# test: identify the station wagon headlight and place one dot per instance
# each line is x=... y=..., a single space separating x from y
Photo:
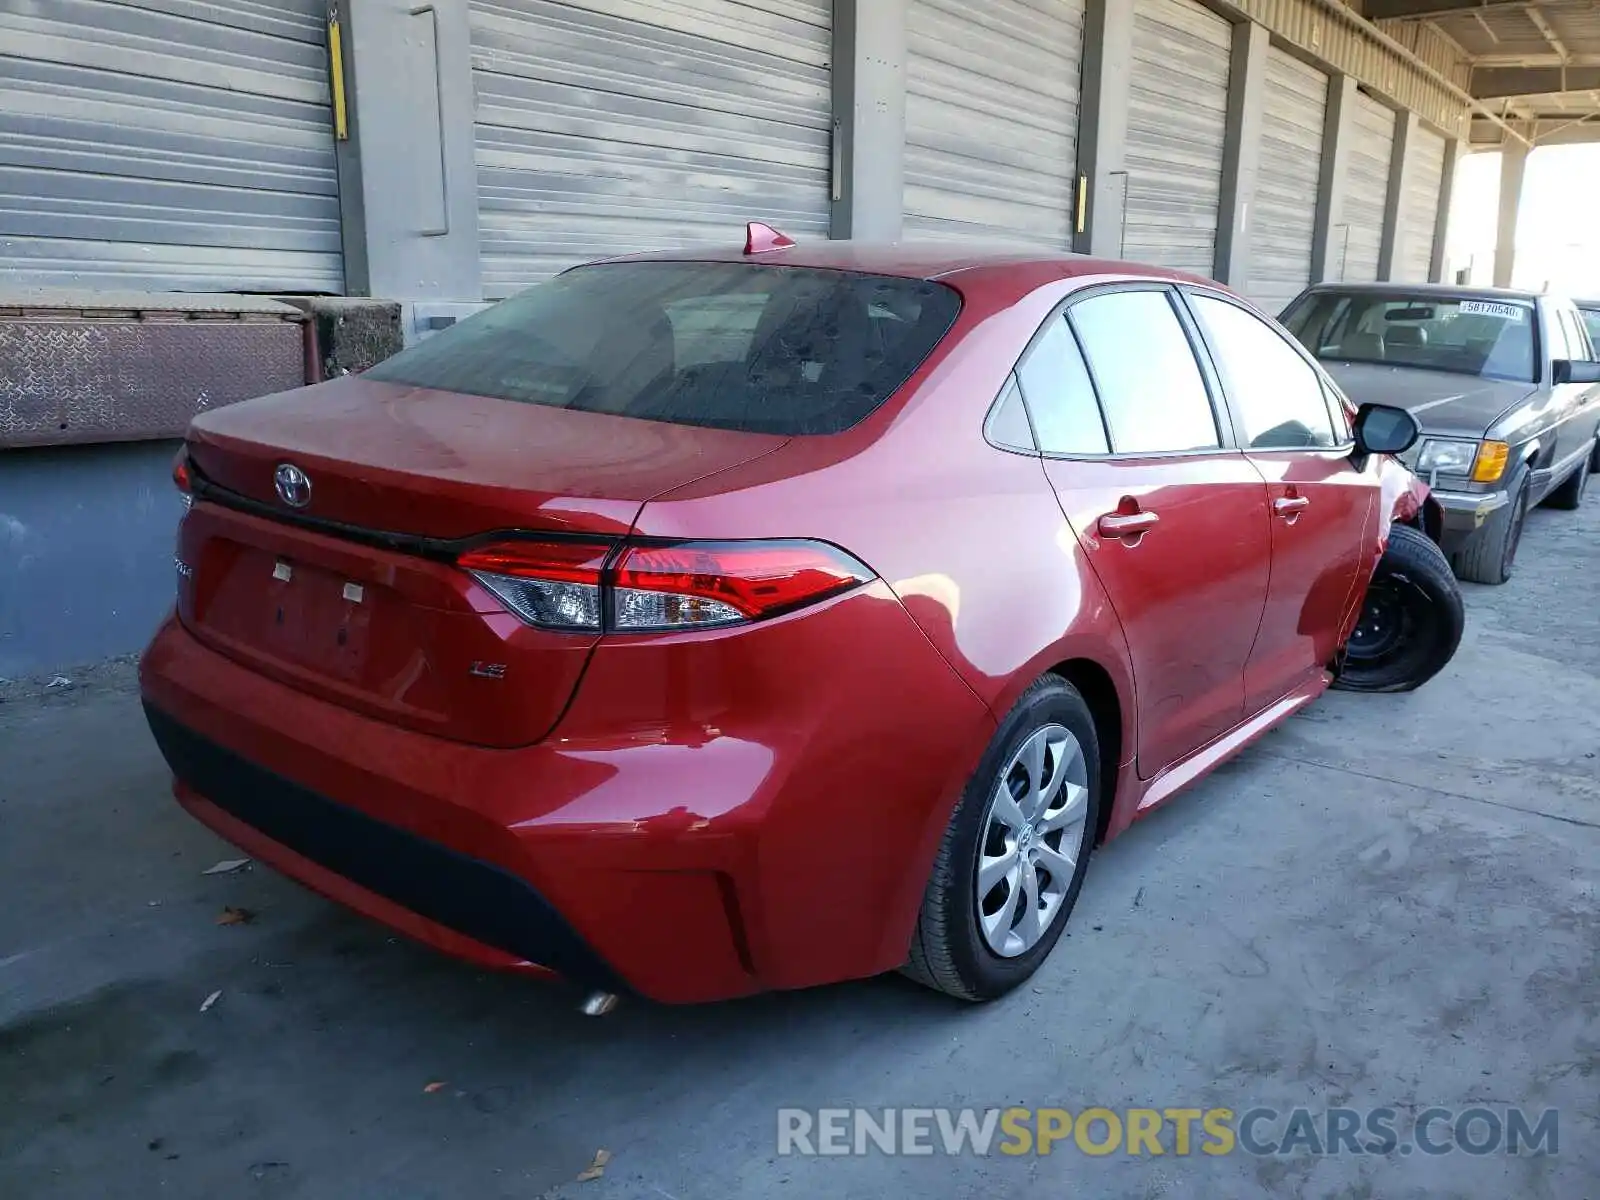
x=1447 y=457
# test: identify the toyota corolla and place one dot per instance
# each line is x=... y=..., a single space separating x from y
x=697 y=624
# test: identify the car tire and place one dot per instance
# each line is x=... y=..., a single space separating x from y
x=974 y=944
x=1490 y=554
x=1594 y=458
x=1569 y=495
x=1411 y=619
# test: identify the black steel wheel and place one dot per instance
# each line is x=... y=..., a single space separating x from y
x=1411 y=619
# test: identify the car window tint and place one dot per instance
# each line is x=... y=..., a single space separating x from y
x=1008 y=421
x=1278 y=396
x=1591 y=319
x=1144 y=368
x=1060 y=396
x=745 y=346
x=1577 y=339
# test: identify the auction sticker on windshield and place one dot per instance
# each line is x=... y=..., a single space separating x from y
x=1491 y=308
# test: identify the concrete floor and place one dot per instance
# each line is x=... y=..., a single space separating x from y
x=1391 y=901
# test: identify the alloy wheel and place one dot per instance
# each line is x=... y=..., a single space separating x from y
x=1032 y=838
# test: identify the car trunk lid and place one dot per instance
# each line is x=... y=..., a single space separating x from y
x=352 y=596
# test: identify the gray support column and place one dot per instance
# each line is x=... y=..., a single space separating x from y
x=1441 y=224
x=1102 y=190
x=1241 y=151
x=869 y=118
x=1405 y=135
x=407 y=177
x=1328 y=241
x=1513 y=165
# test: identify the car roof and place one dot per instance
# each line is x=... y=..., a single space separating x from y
x=996 y=267
x=1450 y=290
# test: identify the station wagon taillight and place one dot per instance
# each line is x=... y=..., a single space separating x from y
x=642 y=587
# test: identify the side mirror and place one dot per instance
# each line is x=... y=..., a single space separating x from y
x=1565 y=370
x=1381 y=429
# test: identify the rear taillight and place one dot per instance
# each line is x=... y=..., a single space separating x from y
x=640 y=587
x=555 y=585
x=695 y=584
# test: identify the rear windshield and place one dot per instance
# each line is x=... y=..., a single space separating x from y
x=1492 y=339
x=767 y=349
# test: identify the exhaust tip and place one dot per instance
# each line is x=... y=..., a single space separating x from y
x=598 y=1004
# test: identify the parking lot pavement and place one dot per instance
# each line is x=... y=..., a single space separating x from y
x=1390 y=902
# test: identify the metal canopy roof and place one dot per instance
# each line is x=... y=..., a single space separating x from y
x=1536 y=62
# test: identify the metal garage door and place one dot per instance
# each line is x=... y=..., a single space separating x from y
x=1419 y=206
x=992 y=119
x=1176 y=124
x=606 y=126
x=1366 y=190
x=1281 y=229
x=173 y=144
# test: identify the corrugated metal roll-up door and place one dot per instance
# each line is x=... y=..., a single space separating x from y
x=1281 y=229
x=170 y=145
x=1419 y=206
x=1366 y=194
x=1177 y=120
x=992 y=119
x=608 y=126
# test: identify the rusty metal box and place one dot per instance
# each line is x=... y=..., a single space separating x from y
x=79 y=367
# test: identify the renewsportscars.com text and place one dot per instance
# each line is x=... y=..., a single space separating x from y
x=1174 y=1131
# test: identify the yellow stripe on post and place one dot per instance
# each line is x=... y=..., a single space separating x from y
x=341 y=123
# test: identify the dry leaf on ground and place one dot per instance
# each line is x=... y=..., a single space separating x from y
x=597 y=1168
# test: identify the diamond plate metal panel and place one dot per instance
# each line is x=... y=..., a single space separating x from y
x=65 y=381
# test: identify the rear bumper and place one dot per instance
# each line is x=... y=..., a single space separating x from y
x=470 y=907
x=688 y=833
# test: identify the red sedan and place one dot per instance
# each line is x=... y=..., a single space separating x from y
x=699 y=624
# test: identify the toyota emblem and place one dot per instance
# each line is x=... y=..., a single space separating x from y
x=294 y=487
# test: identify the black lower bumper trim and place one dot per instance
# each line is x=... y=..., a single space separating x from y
x=482 y=901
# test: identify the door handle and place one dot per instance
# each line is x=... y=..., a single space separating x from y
x=1121 y=524
x=1290 y=506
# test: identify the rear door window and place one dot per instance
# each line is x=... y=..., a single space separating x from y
x=766 y=349
x=1591 y=321
x=1055 y=383
x=1150 y=385
x=1577 y=338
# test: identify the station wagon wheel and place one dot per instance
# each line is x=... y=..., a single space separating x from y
x=1011 y=863
x=1569 y=496
x=1490 y=554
